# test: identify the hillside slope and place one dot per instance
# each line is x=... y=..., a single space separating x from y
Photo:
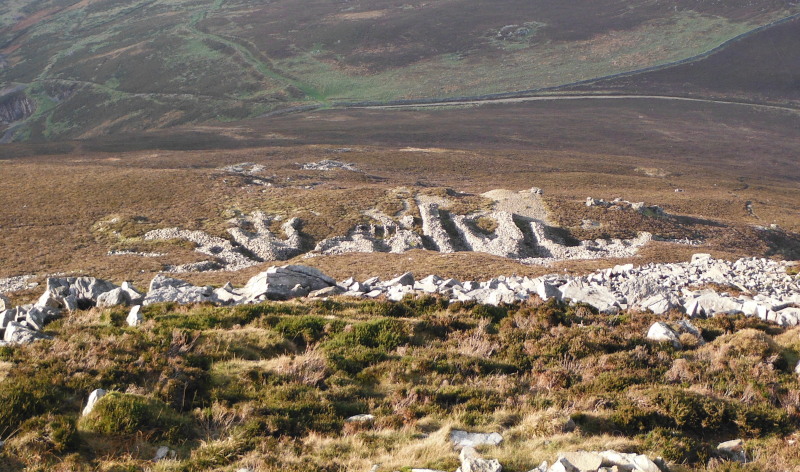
x=764 y=68
x=96 y=67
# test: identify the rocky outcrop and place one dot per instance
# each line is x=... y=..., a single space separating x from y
x=372 y=238
x=507 y=240
x=71 y=293
x=432 y=226
x=328 y=165
x=15 y=105
x=263 y=243
x=229 y=257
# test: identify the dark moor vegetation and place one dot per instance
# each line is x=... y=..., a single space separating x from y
x=270 y=386
x=101 y=67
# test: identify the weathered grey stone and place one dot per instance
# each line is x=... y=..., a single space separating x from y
x=278 y=282
x=115 y=297
x=788 y=316
x=546 y=290
x=405 y=279
x=17 y=333
x=7 y=316
x=628 y=461
x=584 y=461
x=168 y=289
x=71 y=293
x=461 y=438
x=227 y=295
x=711 y=303
x=733 y=450
x=5 y=303
x=660 y=303
x=562 y=465
x=594 y=295
x=93 y=398
x=472 y=462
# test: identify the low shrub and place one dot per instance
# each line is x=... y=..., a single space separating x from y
x=128 y=414
x=46 y=434
x=23 y=397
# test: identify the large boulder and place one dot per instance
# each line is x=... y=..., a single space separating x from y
x=168 y=289
x=595 y=295
x=279 y=283
x=124 y=295
x=18 y=333
x=709 y=303
x=732 y=450
x=134 y=316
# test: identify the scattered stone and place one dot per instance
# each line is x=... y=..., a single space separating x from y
x=733 y=450
x=93 y=398
x=277 y=282
x=365 y=418
x=327 y=292
x=598 y=296
x=230 y=257
x=164 y=452
x=264 y=244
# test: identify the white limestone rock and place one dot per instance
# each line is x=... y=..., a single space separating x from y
x=134 y=316
x=661 y=332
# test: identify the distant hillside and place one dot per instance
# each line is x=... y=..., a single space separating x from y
x=764 y=67
x=95 y=67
